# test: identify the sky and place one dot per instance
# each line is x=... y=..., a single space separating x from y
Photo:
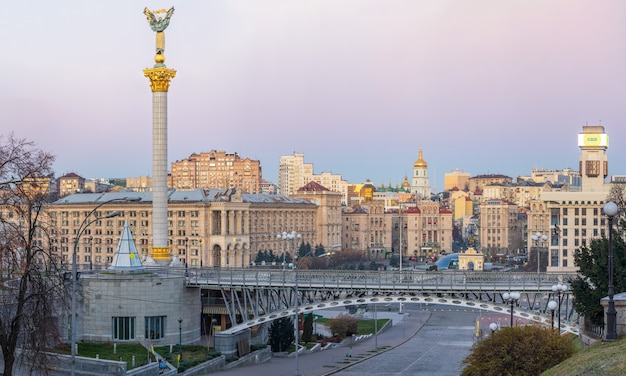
x=357 y=86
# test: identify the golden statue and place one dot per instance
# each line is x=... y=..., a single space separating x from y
x=159 y=25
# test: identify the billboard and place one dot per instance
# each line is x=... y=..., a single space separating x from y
x=593 y=139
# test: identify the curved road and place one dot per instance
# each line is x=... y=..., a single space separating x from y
x=421 y=342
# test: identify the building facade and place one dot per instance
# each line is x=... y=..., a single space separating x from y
x=71 y=183
x=217 y=170
x=293 y=173
x=458 y=179
x=210 y=228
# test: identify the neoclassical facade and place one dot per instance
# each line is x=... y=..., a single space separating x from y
x=212 y=228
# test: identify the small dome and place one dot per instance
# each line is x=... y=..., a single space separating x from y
x=421 y=163
x=405 y=183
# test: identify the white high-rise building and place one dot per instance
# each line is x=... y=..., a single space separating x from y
x=293 y=173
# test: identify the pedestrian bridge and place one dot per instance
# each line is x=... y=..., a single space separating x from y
x=255 y=296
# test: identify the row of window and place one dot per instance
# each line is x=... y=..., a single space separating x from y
x=123 y=328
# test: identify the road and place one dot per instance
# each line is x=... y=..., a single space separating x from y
x=421 y=342
x=437 y=349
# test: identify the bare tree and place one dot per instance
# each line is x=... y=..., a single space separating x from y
x=617 y=194
x=31 y=283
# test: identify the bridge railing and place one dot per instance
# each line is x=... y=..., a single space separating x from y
x=454 y=280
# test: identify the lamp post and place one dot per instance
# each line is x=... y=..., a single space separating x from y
x=560 y=290
x=292 y=235
x=213 y=322
x=610 y=209
x=81 y=229
x=401 y=252
x=297 y=329
x=511 y=298
x=493 y=327
x=537 y=237
x=552 y=305
x=180 y=339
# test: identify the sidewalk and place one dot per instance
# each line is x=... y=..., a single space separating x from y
x=327 y=362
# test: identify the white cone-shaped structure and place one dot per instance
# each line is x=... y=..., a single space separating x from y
x=176 y=263
x=126 y=256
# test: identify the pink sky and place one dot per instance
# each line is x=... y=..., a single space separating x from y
x=358 y=86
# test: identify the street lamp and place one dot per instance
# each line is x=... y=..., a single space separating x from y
x=511 y=298
x=537 y=237
x=213 y=322
x=292 y=235
x=560 y=290
x=180 y=339
x=552 y=305
x=493 y=327
x=81 y=229
x=610 y=209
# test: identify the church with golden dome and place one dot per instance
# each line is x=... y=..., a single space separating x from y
x=420 y=184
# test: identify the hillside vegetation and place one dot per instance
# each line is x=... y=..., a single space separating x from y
x=600 y=359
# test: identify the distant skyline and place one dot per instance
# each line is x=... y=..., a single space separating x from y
x=357 y=86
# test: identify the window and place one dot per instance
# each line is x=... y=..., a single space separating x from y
x=155 y=327
x=123 y=328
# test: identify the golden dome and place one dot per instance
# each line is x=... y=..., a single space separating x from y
x=405 y=183
x=420 y=162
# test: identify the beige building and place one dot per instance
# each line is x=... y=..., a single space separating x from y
x=215 y=228
x=364 y=229
x=501 y=227
x=458 y=179
x=462 y=204
x=328 y=217
x=293 y=173
x=139 y=184
x=570 y=220
x=479 y=182
x=333 y=182
x=217 y=170
x=426 y=229
x=71 y=183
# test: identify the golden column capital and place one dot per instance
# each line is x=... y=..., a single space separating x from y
x=159 y=78
x=161 y=254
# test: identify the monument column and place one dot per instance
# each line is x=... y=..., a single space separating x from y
x=159 y=77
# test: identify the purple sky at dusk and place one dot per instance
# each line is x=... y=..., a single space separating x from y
x=358 y=86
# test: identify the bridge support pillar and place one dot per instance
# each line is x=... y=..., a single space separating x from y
x=620 y=307
x=230 y=344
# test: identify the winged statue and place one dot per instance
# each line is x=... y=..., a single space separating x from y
x=158 y=24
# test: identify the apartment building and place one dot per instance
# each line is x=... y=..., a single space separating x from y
x=426 y=229
x=293 y=173
x=328 y=217
x=457 y=178
x=501 y=227
x=216 y=170
x=71 y=183
x=479 y=182
x=364 y=229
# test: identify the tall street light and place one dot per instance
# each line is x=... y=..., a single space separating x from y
x=292 y=235
x=83 y=226
x=537 y=237
x=180 y=339
x=560 y=290
x=610 y=209
x=552 y=305
x=511 y=298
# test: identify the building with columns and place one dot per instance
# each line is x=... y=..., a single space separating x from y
x=212 y=228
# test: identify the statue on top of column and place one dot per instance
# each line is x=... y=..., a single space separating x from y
x=159 y=24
